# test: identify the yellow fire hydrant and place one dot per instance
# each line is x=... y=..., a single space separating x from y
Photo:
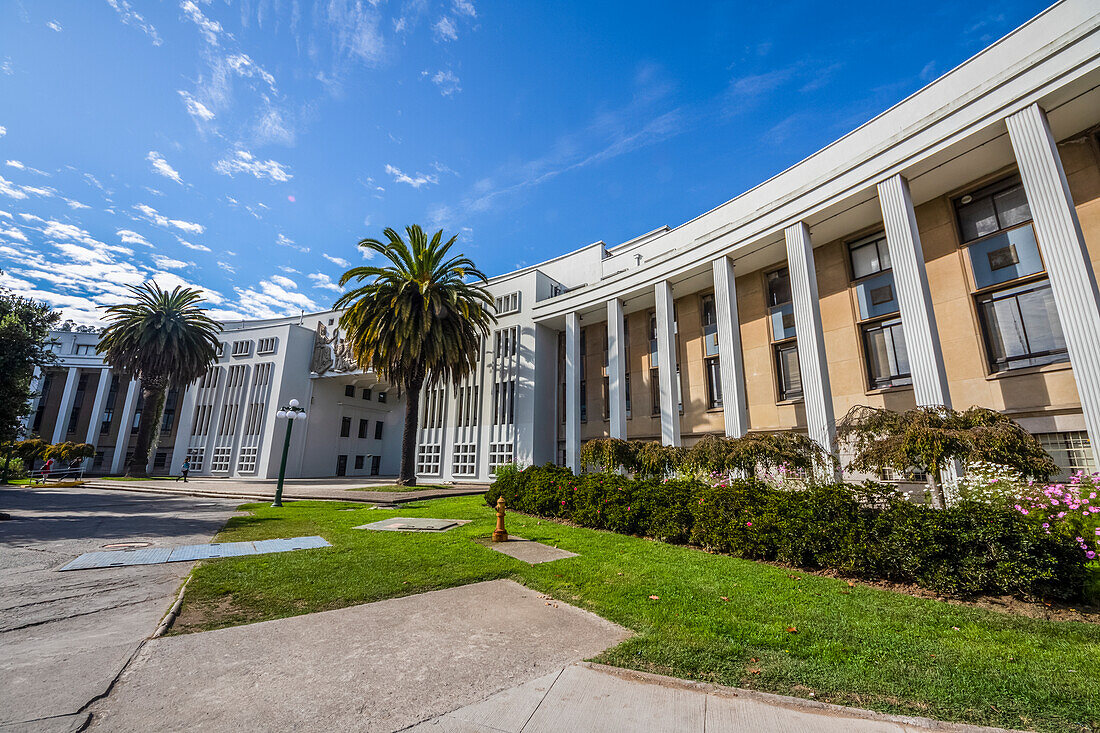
x=500 y=535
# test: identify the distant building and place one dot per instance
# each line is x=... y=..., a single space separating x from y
x=943 y=253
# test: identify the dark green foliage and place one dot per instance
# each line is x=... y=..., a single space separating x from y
x=419 y=319
x=162 y=338
x=713 y=454
x=860 y=531
x=24 y=344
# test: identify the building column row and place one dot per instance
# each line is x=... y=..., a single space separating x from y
x=126 y=419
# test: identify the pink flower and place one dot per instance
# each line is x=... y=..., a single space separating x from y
x=1090 y=554
x=563 y=503
x=748 y=524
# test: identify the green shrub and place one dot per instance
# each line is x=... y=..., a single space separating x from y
x=862 y=531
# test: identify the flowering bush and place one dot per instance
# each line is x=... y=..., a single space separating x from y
x=1071 y=510
x=864 y=531
x=988 y=483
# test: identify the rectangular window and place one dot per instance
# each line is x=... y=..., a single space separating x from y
x=465 y=459
x=159 y=459
x=787 y=370
x=428 y=459
x=345 y=427
x=506 y=304
x=219 y=460
x=242 y=348
x=382 y=397
x=992 y=209
x=605 y=387
x=584 y=401
x=375 y=465
x=359 y=462
x=363 y=426
x=499 y=454
x=195 y=457
x=267 y=345
x=349 y=390
x=710 y=326
x=84 y=349
x=1021 y=327
x=1072 y=451
x=246 y=460
x=887 y=360
x=714 y=382
x=366 y=393
x=378 y=430
x=869 y=256
x=626 y=388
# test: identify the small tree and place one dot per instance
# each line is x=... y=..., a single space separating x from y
x=932 y=438
x=24 y=346
x=753 y=451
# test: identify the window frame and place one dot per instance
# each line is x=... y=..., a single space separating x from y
x=895 y=380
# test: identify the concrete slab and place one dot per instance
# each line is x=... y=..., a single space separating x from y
x=593 y=698
x=529 y=551
x=375 y=667
x=188 y=553
x=413 y=524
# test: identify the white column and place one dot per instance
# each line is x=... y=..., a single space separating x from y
x=816 y=393
x=616 y=367
x=666 y=364
x=183 y=431
x=730 y=358
x=66 y=406
x=572 y=392
x=918 y=321
x=95 y=420
x=36 y=387
x=1058 y=232
x=122 y=441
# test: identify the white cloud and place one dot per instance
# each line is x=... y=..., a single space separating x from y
x=160 y=165
x=13 y=233
x=227 y=267
x=355 y=29
x=284 y=241
x=127 y=236
x=243 y=161
x=464 y=7
x=273 y=128
x=21 y=166
x=189 y=245
x=324 y=282
x=3 y=131
x=270 y=299
x=445 y=30
x=129 y=17
x=209 y=29
x=245 y=66
x=155 y=217
x=11 y=190
x=421 y=179
x=284 y=281
x=53 y=25
x=195 y=108
x=168 y=263
x=338 y=261
x=448 y=83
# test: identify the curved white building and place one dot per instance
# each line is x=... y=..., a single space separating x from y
x=943 y=253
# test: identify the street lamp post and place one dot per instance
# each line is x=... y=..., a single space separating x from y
x=290 y=413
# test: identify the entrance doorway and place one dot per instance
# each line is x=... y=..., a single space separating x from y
x=341 y=465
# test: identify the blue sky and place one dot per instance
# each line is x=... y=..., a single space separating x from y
x=245 y=147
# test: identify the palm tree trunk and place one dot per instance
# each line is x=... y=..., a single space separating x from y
x=153 y=394
x=407 y=476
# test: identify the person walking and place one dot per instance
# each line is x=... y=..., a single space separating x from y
x=46 y=468
x=184 y=469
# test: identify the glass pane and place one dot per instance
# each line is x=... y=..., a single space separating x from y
x=1012 y=207
x=790 y=376
x=1044 y=331
x=901 y=356
x=1005 y=329
x=779 y=287
x=876 y=296
x=714 y=382
x=710 y=318
x=878 y=360
x=977 y=219
x=865 y=260
x=782 y=318
x=883 y=254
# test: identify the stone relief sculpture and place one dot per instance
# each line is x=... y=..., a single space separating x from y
x=331 y=353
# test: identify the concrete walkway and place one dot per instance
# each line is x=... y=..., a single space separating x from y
x=64 y=637
x=376 y=667
x=585 y=697
x=336 y=489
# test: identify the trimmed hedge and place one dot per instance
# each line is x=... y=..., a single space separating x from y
x=860 y=531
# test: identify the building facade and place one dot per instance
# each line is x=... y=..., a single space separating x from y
x=944 y=253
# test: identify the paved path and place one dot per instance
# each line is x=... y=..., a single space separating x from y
x=264 y=490
x=376 y=667
x=64 y=637
x=585 y=697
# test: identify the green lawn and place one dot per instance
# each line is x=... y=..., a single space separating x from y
x=854 y=645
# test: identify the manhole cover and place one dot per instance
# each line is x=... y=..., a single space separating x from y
x=126 y=545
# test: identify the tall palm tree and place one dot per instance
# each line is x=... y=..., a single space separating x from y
x=164 y=339
x=418 y=319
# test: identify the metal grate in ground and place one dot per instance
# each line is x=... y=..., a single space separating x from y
x=186 y=553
